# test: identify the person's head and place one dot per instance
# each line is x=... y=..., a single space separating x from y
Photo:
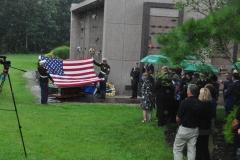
x=235 y=76
x=196 y=75
x=104 y=60
x=53 y=55
x=211 y=89
x=164 y=70
x=228 y=75
x=175 y=78
x=145 y=75
x=235 y=71
x=135 y=64
x=192 y=90
x=188 y=76
x=214 y=78
x=204 y=95
x=42 y=63
x=147 y=69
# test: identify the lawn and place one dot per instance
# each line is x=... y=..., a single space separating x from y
x=70 y=131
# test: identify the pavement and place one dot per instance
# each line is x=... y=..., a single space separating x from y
x=90 y=98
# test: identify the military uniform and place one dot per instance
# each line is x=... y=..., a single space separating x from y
x=43 y=80
x=105 y=70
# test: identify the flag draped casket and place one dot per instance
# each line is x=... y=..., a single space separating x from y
x=71 y=73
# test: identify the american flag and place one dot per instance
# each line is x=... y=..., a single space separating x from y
x=71 y=73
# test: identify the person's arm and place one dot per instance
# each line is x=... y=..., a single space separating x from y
x=235 y=125
x=97 y=64
x=50 y=78
x=176 y=89
x=108 y=70
x=178 y=119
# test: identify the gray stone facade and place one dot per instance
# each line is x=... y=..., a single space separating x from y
x=121 y=30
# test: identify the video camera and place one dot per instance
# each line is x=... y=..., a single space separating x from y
x=3 y=61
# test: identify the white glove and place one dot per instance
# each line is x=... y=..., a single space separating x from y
x=103 y=79
x=92 y=58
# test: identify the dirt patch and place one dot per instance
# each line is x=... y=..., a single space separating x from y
x=33 y=84
x=222 y=150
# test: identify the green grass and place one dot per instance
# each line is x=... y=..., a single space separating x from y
x=73 y=130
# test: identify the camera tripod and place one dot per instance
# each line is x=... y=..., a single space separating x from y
x=3 y=76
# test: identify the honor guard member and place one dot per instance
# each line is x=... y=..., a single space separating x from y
x=105 y=70
x=43 y=79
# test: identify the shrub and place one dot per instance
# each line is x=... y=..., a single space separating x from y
x=49 y=54
x=62 y=52
x=227 y=127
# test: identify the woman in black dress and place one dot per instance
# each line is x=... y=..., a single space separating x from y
x=148 y=98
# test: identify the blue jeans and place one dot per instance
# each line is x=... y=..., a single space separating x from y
x=44 y=93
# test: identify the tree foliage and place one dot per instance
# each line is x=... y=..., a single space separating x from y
x=205 y=7
x=34 y=26
x=204 y=38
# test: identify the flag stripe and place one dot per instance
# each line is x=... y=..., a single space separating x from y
x=70 y=73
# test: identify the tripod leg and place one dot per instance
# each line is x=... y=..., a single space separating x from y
x=17 y=116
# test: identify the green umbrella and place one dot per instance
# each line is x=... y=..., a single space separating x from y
x=198 y=67
x=191 y=58
x=156 y=59
x=185 y=64
x=237 y=64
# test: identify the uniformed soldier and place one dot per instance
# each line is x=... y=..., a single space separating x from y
x=105 y=70
x=43 y=80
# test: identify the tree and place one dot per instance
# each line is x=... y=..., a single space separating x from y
x=204 y=38
x=205 y=7
x=34 y=26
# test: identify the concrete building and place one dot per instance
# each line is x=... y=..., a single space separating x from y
x=121 y=31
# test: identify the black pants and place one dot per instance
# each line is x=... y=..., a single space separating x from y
x=102 y=89
x=134 y=84
x=174 y=110
x=236 y=142
x=202 y=152
x=162 y=111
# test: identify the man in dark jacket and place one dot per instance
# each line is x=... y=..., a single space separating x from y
x=227 y=82
x=134 y=74
x=44 y=76
x=231 y=95
x=164 y=91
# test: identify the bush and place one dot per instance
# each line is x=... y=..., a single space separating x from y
x=62 y=52
x=49 y=55
x=227 y=127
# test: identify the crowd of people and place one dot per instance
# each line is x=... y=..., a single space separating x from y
x=187 y=99
x=190 y=101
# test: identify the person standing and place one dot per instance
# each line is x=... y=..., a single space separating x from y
x=148 y=98
x=230 y=96
x=188 y=119
x=43 y=79
x=177 y=98
x=134 y=74
x=164 y=91
x=227 y=82
x=104 y=72
x=202 y=150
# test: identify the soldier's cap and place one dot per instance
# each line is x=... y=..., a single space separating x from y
x=104 y=59
x=42 y=62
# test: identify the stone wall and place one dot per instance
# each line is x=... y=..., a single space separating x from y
x=124 y=29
